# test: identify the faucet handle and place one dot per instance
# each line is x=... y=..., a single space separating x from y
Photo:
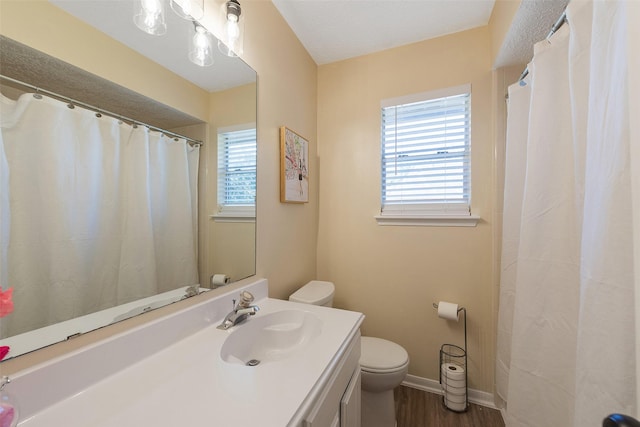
x=246 y=298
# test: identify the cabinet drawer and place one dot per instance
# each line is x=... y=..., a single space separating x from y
x=350 y=405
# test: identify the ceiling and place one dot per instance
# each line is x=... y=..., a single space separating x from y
x=333 y=30
x=532 y=23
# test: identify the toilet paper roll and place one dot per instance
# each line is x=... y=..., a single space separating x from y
x=453 y=389
x=452 y=371
x=455 y=406
x=219 y=280
x=454 y=386
x=453 y=379
x=448 y=310
x=455 y=398
x=452 y=398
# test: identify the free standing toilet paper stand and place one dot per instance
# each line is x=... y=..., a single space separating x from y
x=453 y=365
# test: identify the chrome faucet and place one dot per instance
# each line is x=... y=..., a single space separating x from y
x=240 y=312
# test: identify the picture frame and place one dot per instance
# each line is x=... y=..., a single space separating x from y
x=294 y=167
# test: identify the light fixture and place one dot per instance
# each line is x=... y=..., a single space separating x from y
x=149 y=17
x=200 y=47
x=232 y=42
x=188 y=9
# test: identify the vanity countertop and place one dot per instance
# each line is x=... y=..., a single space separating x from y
x=185 y=382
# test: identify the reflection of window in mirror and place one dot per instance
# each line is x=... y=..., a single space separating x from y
x=237 y=172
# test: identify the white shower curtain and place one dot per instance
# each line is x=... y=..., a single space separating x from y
x=94 y=212
x=566 y=333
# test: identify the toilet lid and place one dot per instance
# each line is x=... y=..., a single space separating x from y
x=379 y=355
x=315 y=292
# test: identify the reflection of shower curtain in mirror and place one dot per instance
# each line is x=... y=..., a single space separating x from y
x=93 y=212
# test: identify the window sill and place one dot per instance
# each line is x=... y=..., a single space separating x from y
x=221 y=217
x=429 y=220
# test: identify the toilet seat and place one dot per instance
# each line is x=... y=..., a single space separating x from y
x=382 y=356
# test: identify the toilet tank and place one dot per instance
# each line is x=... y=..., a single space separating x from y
x=316 y=292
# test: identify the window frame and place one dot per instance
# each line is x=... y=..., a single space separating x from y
x=231 y=212
x=429 y=214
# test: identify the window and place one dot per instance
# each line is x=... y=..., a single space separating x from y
x=426 y=148
x=237 y=173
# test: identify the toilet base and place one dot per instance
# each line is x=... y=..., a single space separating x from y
x=378 y=409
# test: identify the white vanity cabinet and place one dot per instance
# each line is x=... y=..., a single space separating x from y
x=338 y=404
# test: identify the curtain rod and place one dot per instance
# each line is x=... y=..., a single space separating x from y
x=561 y=21
x=133 y=122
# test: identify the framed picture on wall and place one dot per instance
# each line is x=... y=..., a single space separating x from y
x=294 y=167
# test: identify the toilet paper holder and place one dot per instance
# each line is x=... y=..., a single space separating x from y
x=464 y=315
x=451 y=354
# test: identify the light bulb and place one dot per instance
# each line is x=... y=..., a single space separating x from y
x=233 y=33
x=200 y=51
x=231 y=43
x=232 y=17
x=149 y=17
x=233 y=30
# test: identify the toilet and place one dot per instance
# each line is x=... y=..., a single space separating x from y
x=383 y=367
x=383 y=364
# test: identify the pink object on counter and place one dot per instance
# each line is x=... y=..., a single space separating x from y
x=6 y=303
x=7 y=413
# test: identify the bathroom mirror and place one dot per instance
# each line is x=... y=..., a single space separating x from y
x=225 y=238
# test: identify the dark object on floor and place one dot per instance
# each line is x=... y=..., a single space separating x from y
x=619 y=420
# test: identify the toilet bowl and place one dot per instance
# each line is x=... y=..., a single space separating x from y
x=383 y=367
x=383 y=364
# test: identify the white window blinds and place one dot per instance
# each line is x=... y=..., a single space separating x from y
x=237 y=168
x=426 y=154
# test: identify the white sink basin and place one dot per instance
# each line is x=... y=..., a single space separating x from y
x=270 y=337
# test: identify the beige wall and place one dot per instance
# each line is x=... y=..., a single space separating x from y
x=393 y=274
x=287 y=96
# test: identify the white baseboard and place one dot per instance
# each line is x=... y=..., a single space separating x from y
x=475 y=396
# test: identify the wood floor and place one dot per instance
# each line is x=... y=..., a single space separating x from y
x=417 y=408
